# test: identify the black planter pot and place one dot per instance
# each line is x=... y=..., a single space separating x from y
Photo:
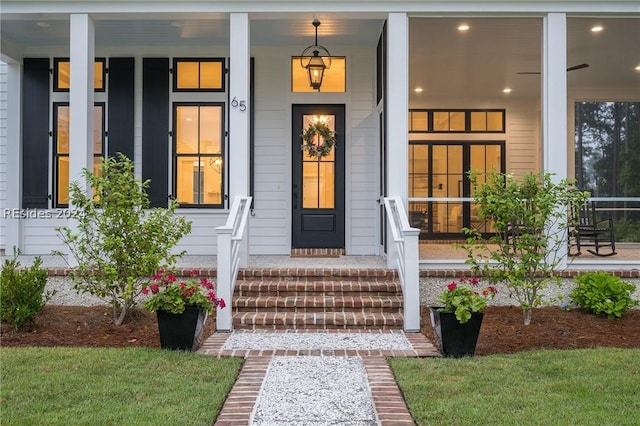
x=456 y=340
x=181 y=331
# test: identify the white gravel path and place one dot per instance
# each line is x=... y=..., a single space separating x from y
x=239 y=340
x=314 y=391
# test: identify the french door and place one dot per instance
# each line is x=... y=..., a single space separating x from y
x=439 y=170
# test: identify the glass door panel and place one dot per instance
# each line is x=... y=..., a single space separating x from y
x=318 y=174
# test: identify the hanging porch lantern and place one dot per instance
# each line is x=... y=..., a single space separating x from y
x=315 y=59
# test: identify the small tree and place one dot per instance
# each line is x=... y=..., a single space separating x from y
x=118 y=244
x=529 y=217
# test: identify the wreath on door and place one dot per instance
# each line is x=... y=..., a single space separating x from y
x=318 y=140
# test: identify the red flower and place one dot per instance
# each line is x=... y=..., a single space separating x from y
x=145 y=290
x=194 y=272
x=155 y=288
x=452 y=286
x=221 y=303
x=182 y=284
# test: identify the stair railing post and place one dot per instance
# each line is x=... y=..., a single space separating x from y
x=411 y=291
x=223 y=281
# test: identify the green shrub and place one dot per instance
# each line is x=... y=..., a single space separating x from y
x=22 y=295
x=603 y=293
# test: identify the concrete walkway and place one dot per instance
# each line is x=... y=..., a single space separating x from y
x=308 y=377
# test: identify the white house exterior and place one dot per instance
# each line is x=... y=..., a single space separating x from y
x=390 y=48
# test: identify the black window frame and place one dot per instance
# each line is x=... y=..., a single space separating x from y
x=56 y=155
x=222 y=155
x=467 y=120
x=56 y=71
x=223 y=80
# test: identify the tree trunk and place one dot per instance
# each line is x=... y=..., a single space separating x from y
x=526 y=313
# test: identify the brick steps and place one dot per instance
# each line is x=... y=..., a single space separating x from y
x=308 y=298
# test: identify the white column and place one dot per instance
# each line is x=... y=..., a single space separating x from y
x=554 y=105
x=397 y=104
x=397 y=109
x=11 y=215
x=81 y=98
x=238 y=157
x=239 y=115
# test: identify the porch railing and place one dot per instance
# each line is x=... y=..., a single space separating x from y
x=232 y=254
x=403 y=255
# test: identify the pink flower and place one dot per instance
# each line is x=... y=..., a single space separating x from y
x=221 y=303
x=206 y=283
x=182 y=284
x=492 y=290
x=194 y=272
x=474 y=281
x=145 y=290
x=155 y=288
x=452 y=286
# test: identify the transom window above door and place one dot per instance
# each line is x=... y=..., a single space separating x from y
x=456 y=121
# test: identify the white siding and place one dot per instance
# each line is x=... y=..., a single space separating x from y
x=3 y=151
x=362 y=174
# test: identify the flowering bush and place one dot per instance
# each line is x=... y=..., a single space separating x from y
x=169 y=294
x=465 y=297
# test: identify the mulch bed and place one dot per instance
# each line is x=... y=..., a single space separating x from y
x=502 y=329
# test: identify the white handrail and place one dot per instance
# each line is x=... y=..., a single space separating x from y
x=403 y=254
x=232 y=254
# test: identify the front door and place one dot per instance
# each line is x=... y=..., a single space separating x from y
x=318 y=182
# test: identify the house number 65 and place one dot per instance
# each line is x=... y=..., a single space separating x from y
x=239 y=104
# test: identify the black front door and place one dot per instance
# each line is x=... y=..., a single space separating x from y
x=318 y=183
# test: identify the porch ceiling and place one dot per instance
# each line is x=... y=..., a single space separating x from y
x=443 y=61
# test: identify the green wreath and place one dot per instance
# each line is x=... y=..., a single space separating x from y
x=311 y=145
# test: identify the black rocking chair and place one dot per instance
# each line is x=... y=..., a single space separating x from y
x=587 y=230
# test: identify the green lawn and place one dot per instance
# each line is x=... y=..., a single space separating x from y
x=577 y=387
x=98 y=386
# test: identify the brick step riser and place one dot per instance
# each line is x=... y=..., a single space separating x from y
x=319 y=277
x=303 y=302
x=275 y=321
x=327 y=309
x=266 y=293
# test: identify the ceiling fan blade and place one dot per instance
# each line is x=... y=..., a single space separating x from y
x=577 y=67
x=573 y=68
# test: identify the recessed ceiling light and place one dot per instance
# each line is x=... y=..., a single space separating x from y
x=506 y=90
x=418 y=89
x=463 y=27
x=637 y=68
x=43 y=24
x=597 y=28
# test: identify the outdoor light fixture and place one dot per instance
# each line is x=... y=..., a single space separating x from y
x=316 y=64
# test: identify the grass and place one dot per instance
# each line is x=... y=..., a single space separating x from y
x=585 y=387
x=98 y=386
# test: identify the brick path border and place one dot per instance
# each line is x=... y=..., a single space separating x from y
x=388 y=401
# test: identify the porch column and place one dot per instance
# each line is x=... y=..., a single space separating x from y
x=239 y=108
x=554 y=106
x=13 y=160
x=239 y=118
x=81 y=100
x=397 y=109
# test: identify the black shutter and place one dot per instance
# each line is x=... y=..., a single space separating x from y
x=35 y=133
x=121 y=92
x=155 y=128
